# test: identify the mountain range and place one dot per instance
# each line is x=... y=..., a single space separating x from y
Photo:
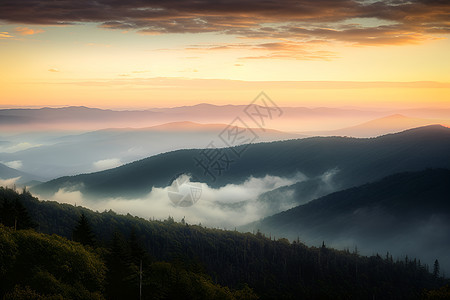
x=296 y=119
x=341 y=190
x=350 y=162
x=381 y=126
x=401 y=213
x=85 y=118
x=102 y=149
x=10 y=176
x=30 y=142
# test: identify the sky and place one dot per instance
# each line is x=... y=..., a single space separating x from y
x=144 y=54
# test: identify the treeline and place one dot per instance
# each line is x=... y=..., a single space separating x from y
x=186 y=261
x=40 y=266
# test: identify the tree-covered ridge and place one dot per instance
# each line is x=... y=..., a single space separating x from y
x=189 y=254
x=405 y=213
x=358 y=161
x=39 y=265
x=13 y=213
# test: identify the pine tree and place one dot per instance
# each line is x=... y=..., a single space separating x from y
x=14 y=214
x=83 y=232
x=121 y=277
x=436 y=269
x=7 y=213
x=137 y=251
x=23 y=219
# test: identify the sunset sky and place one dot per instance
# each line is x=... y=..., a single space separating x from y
x=143 y=54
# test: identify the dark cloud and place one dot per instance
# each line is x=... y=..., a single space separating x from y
x=413 y=21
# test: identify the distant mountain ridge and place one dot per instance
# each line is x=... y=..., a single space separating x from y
x=357 y=161
x=10 y=173
x=81 y=117
x=81 y=153
x=192 y=126
x=296 y=119
x=384 y=125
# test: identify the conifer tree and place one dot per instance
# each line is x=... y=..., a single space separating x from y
x=14 y=214
x=436 y=269
x=83 y=232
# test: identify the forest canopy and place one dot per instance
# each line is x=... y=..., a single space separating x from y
x=182 y=261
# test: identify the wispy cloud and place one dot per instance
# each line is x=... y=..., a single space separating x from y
x=18 y=147
x=98 y=45
x=106 y=164
x=15 y=164
x=5 y=35
x=277 y=50
x=190 y=83
x=9 y=182
x=54 y=70
x=290 y=50
x=27 y=31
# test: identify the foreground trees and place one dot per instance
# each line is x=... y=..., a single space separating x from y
x=182 y=261
x=48 y=266
x=12 y=212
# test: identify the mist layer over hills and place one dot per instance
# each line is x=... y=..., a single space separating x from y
x=402 y=213
x=259 y=179
x=354 y=161
x=104 y=149
x=54 y=142
x=184 y=261
x=320 y=120
x=267 y=179
x=84 y=118
x=388 y=124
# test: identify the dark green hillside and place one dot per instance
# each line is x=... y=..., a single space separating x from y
x=36 y=265
x=179 y=258
x=403 y=213
x=358 y=161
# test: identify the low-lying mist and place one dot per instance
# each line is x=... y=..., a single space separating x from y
x=10 y=182
x=378 y=232
x=226 y=207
